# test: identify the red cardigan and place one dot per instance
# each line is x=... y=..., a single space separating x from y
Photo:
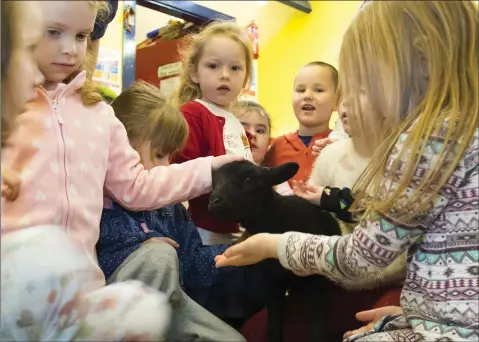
x=205 y=139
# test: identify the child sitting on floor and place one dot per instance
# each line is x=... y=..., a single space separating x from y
x=135 y=244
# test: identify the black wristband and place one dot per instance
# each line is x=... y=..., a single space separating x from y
x=338 y=201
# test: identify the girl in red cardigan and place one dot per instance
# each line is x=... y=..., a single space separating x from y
x=217 y=68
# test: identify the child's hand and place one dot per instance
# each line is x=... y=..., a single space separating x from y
x=308 y=192
x=162 y=240
x=11 y=182
x=373 y=316
x=319 y=145
x=251 y=251
x=222 y=160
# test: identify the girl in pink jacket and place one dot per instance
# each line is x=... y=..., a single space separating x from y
x=81 y=153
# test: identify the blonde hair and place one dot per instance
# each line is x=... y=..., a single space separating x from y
x=192 y=51
x=242 y=107
x=11 y=19
x=89 y=91
x=418 y=63
x=147 y=117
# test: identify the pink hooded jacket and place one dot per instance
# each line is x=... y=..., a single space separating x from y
x=81 y=154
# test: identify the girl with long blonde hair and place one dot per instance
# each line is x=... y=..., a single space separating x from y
x=217 y=69
x=415 y=65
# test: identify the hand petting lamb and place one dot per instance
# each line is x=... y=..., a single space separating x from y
x=244 y=192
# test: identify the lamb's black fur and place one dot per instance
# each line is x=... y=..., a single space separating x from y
x=243 y=192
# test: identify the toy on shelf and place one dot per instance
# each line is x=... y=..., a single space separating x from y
x=175 y=29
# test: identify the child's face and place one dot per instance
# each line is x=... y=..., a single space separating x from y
x=145 y=154
x=25 y=73
x=221 y=71
x=350 y=121
x=344 y=117
x=256 y=124
x=63 y=47
x=314 y=96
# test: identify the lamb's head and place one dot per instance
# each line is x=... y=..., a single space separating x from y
x=241 y=189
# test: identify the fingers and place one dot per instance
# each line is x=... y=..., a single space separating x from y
x=236 y=260
x=225 y=159
x=363 y=329
x=169 y=241
x=367 y=316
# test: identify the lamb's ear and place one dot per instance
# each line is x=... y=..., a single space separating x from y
x=280 y=174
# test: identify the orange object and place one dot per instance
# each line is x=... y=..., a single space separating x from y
x=289 y=148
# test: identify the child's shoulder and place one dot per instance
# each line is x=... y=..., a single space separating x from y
x=194 y=108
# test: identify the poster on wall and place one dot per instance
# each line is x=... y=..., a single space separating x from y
x=168 y=74
x=107 y=69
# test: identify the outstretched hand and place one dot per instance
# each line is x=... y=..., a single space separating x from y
x=311 y=193
x=373 y=316
x=319 y=145
x=225 y=159
x=251 y=251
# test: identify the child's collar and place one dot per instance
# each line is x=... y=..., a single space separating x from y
x=71 y=87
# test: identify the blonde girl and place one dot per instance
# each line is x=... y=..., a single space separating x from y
x=422 y=183
x=81 y=150
x=217 y=68
x=257 y=124
x=20 y=75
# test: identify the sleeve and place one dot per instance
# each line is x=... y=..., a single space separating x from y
x=338 y=201
x=135 y=188
x=375 y=243
x=201 y=271
x=195 y=145
x=338 y=132
x=101 y=25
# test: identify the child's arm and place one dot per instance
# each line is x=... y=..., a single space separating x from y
x=380 y=238
x=135 y=188
x=199 y=269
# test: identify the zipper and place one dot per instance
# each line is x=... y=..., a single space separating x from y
x=61 y=121
x=56 y=109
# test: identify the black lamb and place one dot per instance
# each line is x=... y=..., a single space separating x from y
x=243 y=192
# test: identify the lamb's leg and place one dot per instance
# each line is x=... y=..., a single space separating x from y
x=277 y=285
x=276 y=304
x=317 y=317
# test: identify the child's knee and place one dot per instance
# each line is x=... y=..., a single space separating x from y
x=158 y=253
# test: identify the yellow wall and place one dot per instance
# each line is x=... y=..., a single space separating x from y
x=306 y=38
x=113 y=38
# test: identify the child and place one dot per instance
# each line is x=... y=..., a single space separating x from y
x=341 y=163
x=422 y=183
x=217 y=67
x=20 y=74
x=257 y=124
x=314 y=100
x=82 y=148
x=130 y=245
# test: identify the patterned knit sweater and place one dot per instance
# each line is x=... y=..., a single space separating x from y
x=440 y=295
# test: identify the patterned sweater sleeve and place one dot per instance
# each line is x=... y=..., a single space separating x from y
x=377 y=241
